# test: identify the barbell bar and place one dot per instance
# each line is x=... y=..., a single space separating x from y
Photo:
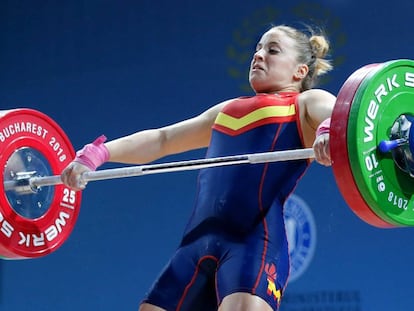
x=29 y=183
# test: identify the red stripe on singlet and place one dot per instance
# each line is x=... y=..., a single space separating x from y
x=193 y=279
x=266 y=231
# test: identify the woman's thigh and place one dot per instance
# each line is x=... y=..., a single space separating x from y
x=244 y=302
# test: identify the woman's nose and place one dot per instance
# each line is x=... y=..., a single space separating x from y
x=258 y=54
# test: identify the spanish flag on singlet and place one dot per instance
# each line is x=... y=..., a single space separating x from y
x=246 y=113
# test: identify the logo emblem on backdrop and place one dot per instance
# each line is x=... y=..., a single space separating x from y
x=244 y=38
x=301 y=234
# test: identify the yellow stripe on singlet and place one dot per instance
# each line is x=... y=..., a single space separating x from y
x=254 y=116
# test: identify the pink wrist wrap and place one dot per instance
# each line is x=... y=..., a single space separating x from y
x=94 y=154
x=323 y=127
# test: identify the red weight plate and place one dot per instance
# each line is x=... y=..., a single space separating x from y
x=339 y=150
x=27 y=237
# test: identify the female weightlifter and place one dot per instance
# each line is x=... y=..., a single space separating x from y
x=234 y=251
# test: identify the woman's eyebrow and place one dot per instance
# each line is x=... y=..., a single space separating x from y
x=277 y=42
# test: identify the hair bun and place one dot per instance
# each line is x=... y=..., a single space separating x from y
x=320 y=47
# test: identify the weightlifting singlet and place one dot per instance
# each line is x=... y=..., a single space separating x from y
x=235 y=240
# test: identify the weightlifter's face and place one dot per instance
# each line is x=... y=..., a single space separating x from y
x=274 y=63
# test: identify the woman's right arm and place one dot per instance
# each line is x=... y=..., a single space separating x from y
x=143 y=146
x=148 y=145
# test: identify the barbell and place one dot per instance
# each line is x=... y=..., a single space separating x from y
x=370 y=150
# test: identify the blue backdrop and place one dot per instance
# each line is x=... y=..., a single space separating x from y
x=114 y=67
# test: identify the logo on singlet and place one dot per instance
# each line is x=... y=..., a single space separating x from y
x=301 y=234
x=272 y=290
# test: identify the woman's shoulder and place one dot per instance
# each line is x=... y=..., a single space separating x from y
x=314 y=94
x=316 y=98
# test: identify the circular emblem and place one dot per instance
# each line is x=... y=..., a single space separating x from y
x=301 y=234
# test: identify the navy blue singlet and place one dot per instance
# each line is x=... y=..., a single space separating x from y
x=235 y=240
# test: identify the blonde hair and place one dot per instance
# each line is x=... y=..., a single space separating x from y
x=312 y=49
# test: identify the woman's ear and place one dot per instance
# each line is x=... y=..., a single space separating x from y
x=301 y=72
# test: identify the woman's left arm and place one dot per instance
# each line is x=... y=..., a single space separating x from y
x=317 y=106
